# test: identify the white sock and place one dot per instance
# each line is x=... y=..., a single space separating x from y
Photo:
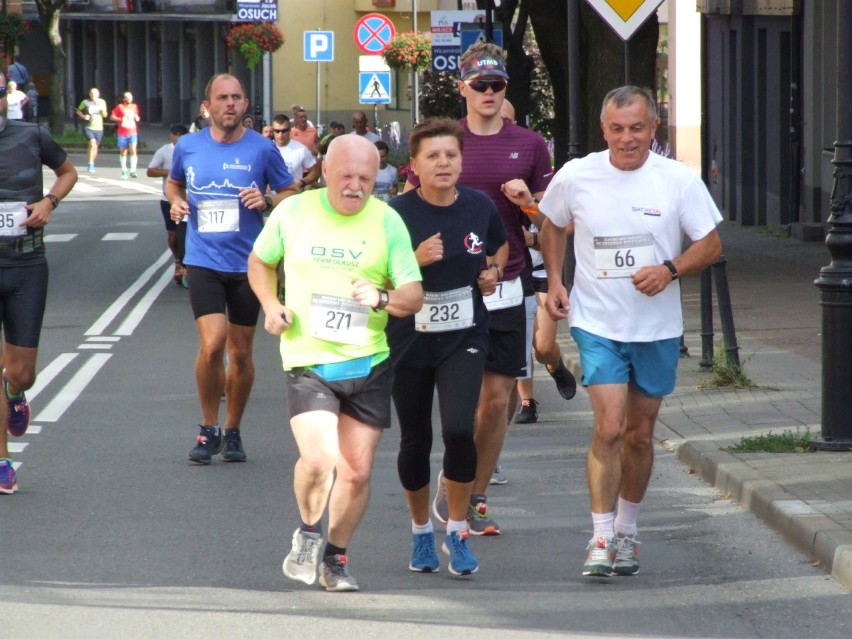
x=603 y=525
x=418 y=529
x=625 y=520
x=134 y=160
x=454 y=525
x=123 y=160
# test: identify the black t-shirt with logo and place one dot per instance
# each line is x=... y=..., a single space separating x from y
x=470 y=229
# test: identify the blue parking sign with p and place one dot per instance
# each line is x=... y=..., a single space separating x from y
x=319 y=46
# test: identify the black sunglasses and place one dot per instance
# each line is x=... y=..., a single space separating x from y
x=3 y=92
x=481 y=86
x=280 y=131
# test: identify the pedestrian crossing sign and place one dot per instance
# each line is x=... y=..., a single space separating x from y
x=374 y=87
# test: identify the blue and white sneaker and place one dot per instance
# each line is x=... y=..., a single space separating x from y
x=424 y=557
x=8 y=479
x=462 y=559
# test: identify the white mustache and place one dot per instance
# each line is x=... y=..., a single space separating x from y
x=349 y=192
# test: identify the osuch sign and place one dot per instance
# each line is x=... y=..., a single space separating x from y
x=257 y=11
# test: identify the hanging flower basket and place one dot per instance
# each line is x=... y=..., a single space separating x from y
x=409 y=52
x=252 y=40
x=12 y=28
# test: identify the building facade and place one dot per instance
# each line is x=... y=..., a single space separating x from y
x=769 y=127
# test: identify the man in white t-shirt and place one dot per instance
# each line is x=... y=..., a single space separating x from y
x=387 y=181
x=629 y=209
x=159 y=166
x=301 y=163
x=359 y=127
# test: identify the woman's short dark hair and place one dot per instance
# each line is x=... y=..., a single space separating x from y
x=434 y=128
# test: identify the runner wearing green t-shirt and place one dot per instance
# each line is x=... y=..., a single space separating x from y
x=339 y=247
x=93 y=111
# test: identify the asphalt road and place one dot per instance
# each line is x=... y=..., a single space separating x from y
x=114 y=534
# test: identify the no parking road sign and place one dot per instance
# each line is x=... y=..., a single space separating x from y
x=373 y=32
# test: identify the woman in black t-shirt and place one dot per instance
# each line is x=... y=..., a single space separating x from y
x=460 y=244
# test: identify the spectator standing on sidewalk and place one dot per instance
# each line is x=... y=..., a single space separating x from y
x=339 y=246
x=93 y=110
x=126 y=113
x=32 y=103
x=303 y=131
x=16 y=101
x=359 y=127
x=629 y=209
x=219 y=178
x=387 y=182
x=460 y=244
x=24 y=148
x=18 y=73
x=159 y=166
x=202 y=120
x=301 y=163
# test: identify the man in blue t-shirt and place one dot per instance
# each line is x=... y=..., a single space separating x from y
x=219 y=178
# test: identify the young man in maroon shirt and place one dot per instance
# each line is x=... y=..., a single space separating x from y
x=512 y=166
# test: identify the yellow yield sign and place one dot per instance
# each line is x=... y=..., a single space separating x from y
x=625 y=16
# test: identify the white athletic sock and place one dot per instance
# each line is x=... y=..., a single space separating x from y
x=603 y=525
x=123 y=160
x=134 y=160
x=625 y=520
x=417 y=529
x=454 y=525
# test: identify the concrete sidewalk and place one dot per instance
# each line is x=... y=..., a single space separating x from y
x=805 y=496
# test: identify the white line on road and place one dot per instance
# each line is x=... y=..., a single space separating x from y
x=138 y=313
x=119 y=237
x=59 y=237
x=72 y=390
x=116 y=307
x=48 y=373
x=94 y=347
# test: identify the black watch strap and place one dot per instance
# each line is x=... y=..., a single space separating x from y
x=668 y=264
x=269 y=203
x=53 y=200
x=384 y=299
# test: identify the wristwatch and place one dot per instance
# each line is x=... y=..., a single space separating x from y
x=53 y=200
x=269 y=202
x=384 y=299
x=668 y=264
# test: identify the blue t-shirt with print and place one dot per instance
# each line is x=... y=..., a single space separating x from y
x=215 y=172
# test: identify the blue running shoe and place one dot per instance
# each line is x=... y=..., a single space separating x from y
x=424 y=557
x=8 y=480
x=19 y=410
x=462 y=560
x=207 y=444
x=233 y=451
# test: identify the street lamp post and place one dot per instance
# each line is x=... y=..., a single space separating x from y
x=835 y=280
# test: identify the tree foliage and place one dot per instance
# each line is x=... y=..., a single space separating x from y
x=601 y=63
x=48 y=13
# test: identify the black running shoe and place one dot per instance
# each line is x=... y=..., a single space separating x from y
x=528 y=413
x=233 y=451
x=565 y=382
x=208 y=443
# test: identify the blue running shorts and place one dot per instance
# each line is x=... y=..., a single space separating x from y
x=651 y=367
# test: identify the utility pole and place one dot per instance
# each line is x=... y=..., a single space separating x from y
x=835 y=280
